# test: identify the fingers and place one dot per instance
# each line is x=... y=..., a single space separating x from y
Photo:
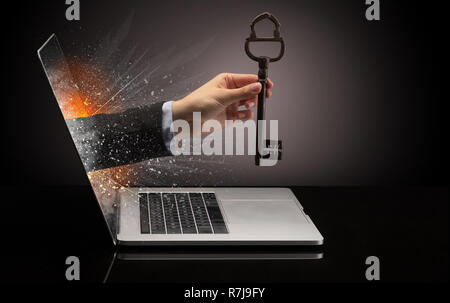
x=250 y=104
x=255 y=98
x=243 y=115
x=239 y=87
x=233 y=112
x=230 y=96
x=240 y=80
x=248 y=101
x=269 y=83
x=268 y=88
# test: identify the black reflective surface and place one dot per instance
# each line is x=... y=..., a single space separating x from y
x=406 y=228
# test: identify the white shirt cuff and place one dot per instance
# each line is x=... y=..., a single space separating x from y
x=166 y=123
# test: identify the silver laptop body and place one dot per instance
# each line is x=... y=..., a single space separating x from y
x=202 y=216
x=250 y=216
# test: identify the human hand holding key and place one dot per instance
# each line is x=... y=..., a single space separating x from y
x=220 y=98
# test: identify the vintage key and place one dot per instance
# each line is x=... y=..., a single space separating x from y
x=265 y=149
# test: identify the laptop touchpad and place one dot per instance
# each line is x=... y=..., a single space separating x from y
x=279 y=213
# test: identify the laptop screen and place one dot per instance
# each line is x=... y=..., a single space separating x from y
x=91 y=88
x=74 y=103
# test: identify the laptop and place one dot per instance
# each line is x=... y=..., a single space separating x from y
x=192 y=216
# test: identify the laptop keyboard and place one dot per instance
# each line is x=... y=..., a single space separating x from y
x=180 y=213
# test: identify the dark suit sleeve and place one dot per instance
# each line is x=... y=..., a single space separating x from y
x=108 y=140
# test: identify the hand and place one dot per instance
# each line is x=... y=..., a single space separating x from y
x=220 y=98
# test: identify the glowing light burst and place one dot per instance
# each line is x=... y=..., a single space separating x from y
x=96 y=80
x=105 y=79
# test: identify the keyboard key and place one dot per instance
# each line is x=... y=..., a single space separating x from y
x=186 y=216
x=143 y=210
x=171 y=214
x=215 y=215
x=156 y=214
x=200 y=214
x=176 y=213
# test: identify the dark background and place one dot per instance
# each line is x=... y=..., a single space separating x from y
x=369 y=109
x=359 y=103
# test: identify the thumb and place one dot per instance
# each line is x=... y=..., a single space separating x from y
x=229 y=96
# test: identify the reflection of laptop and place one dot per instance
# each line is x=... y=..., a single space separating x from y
x=192 y=216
